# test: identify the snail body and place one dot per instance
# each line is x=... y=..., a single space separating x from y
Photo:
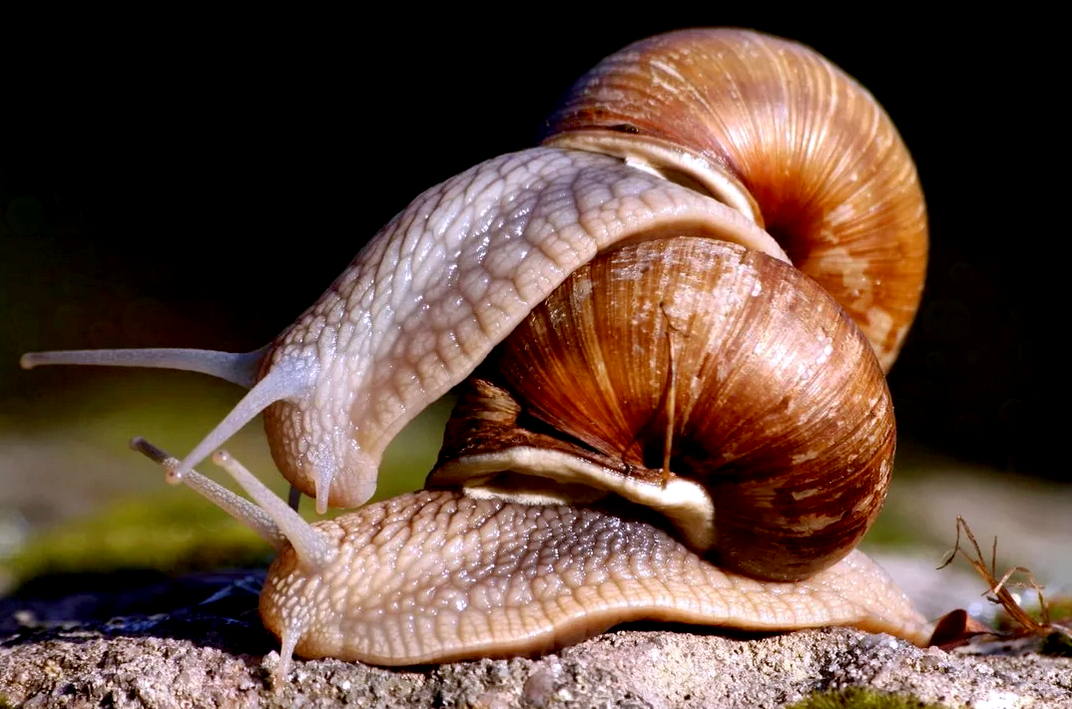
x=511 y=578
x=466 y=264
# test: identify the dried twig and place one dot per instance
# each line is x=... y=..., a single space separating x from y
x=998 y=589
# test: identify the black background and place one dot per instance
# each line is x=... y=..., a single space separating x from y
x=199 y=180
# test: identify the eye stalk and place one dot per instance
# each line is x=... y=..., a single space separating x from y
x=271 y=518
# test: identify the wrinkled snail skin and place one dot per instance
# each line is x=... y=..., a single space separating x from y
x=512 y=579
x=437 y=576
x=492 y=564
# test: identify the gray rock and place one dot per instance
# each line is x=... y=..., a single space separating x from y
x=216 y=654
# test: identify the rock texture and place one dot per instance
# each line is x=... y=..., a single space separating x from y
x=63 y=653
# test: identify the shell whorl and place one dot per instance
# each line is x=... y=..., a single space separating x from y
x=820 y=163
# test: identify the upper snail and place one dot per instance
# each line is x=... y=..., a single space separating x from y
x=718 y=134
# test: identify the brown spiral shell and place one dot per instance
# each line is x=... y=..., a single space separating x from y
x=701 y=359
x=821 y=165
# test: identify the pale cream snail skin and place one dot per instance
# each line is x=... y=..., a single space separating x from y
x=542 y=528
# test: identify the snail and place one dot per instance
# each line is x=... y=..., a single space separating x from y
x=603 y=299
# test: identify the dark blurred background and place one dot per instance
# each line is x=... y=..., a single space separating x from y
x=199 y=181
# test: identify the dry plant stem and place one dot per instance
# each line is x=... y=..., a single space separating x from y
x=998 y=591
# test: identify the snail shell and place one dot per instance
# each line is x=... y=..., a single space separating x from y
x=791 y=467
x=708 y=381
x=772 y=128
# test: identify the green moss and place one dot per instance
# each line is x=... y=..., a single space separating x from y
x=1060 y=609
x=157 y=526
x=175 y=534
x=860 y=698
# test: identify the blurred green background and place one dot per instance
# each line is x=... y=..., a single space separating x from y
x=199 y=182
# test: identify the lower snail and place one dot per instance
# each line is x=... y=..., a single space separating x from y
x=660 y=417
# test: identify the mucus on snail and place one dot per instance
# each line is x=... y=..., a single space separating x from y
x=639 y=344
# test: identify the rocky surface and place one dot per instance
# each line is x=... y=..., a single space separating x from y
x=139 y=639
x=69 y=651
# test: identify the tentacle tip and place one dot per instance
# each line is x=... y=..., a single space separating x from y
x=29 y=360
x=222 y=458
x=169 y=462
x=286 y=656
x=322 y=483
x=279 y=677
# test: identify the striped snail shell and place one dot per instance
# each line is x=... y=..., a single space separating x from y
x=772 y=128
x=712 y=383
